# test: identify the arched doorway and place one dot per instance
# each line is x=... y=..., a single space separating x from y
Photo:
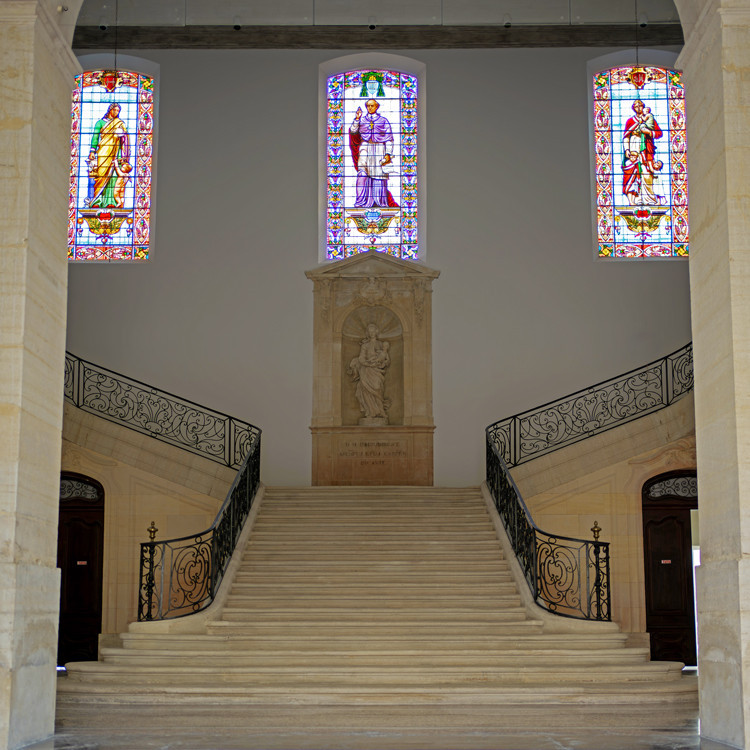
x=80 y=548
x=668 y=565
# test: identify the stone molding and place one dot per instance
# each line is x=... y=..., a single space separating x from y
x=27 y=12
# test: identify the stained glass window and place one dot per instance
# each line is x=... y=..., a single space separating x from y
x=109 y=215
x=371 y=164
x=641 y=163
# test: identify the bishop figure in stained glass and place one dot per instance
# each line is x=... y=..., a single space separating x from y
x=371 y=145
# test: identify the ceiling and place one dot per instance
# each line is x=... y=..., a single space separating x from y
x=375 y=24
x=373 y=12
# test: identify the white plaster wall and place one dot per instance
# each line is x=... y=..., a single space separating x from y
x=522 y=313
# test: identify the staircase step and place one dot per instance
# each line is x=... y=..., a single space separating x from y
x=274 y=642
x=402 y=659
x=362 y=603
x=375 y=630
x=371 y=589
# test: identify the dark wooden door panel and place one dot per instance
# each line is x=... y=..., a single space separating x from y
x=80 y=557
x=668 y=564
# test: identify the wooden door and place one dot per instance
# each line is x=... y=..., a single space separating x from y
x=80 y=547
x=668 y=559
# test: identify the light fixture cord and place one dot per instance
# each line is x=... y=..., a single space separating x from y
x=637 y=56
x=117 y=23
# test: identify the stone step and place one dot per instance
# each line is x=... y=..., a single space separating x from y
x=392 y=599
x=364 y=643
x=273 y=697
x=351 y=566
x=445 y=544
x=327 y=628
x=388 y=515
x=456 y=721
x=374 y=615
x=424 y=556
x=391 y=607
x=379 y=588
x=412 y=494
x=291 y=525
x=292 y=677
x=368 y=580
x=404 y=659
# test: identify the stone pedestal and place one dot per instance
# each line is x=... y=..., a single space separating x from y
x=372 y=390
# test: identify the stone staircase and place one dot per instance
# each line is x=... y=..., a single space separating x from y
x=372 y=597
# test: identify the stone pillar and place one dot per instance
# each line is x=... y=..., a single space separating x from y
x=716 y=61
x=36 y=69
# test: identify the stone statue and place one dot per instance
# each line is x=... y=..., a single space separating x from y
x=368 y=372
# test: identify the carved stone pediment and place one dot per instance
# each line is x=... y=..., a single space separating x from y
x=369 y=264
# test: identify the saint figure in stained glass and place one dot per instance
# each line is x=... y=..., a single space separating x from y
x=109 y=213
x=640 y=168
x=641 y=163
x=109 y=165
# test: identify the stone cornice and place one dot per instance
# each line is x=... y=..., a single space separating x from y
x=696 y=43
x=27 y=12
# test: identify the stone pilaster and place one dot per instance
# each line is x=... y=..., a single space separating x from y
x=36 y=75
x=716 y=61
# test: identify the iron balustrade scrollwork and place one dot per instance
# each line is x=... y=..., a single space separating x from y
x=567 y=576
x=595 y=409
x=156 y=413
x=181 y=576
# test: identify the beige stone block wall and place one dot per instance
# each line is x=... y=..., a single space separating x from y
x=144 y=480
x=600 y=479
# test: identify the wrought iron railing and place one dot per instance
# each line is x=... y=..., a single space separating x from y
x=592 y=410
x=157 y=413
x=567 y=576
x=181 y=576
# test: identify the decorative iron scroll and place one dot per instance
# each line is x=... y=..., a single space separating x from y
x=567 y=576
x=181 y=576
x=156 y=413
x=78 y=489
x=588 y=412
x=685 y=486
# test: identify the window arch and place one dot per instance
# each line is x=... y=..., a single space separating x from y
x=371 y=167
x=640 y=163
x=111 y=166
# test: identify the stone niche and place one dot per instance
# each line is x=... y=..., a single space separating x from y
x=372 y=418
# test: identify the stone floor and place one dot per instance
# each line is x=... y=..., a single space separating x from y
x=561 y=728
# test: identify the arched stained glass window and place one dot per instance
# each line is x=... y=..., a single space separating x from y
x=112 y=129
x=371 y=164
x=641 y=163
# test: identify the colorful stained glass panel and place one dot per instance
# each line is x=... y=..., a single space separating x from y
x=640 y=154
x=372 y=164
x=111 y=141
